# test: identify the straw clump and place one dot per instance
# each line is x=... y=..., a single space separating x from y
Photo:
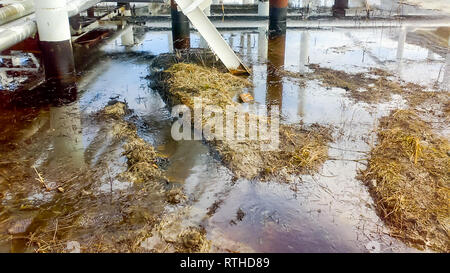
x=142 y=158
x=409 y=177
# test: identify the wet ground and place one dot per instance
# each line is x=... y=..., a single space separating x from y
x=330 y=211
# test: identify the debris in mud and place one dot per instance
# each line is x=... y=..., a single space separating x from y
x=117 y=110
x=175 y=196
x=240 y=214
x=172 y=235
x=246 y=97
x=408 y=176
x=20 y=226
x=302 y=149
x=193 y=239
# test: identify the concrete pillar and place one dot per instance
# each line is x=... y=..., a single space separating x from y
x=401 y=43
x=304 y=51
x=91 y=12
x=339 y=8
x=75 y=24
x=263 y=7
x=275 y=55
x=127 y=37
x=54 y=40
x=170 y=42
x=180 y=28
x=277 y=17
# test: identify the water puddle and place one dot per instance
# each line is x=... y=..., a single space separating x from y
x=330 y=211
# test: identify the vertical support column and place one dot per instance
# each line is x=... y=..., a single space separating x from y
x=304 y=51
x=54 y=39
x=263 y=7
x=91 y=12
x=75 y=24
x=277 y=17
x=339 y=8
x=180 y=28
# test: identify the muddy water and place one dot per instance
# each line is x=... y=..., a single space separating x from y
x=330 y=211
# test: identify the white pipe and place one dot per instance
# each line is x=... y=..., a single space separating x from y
x=304 y=51
x=16 y=10
x=263 y=8
x=193 y=10
x=52 y=20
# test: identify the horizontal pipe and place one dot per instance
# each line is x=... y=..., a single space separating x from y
x=246 y=22
x=15 y=11
x=15 y=32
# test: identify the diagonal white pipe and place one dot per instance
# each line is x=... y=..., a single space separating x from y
x=193 y=10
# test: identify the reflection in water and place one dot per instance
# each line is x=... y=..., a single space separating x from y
x=180 y=28
x=446 y=80
x=334 y=213
x=304 y=51
x=400 y=49
x=275 y=55
x=339 y=8
x=127 y=37
x=65 y=124
x=262 y=42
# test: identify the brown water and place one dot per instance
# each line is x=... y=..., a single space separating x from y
x=330 y=211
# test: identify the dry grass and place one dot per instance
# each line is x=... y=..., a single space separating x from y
x=375 y=86
x=409 y=177
x=216 y=88
x=142 y=158
x=301 y=149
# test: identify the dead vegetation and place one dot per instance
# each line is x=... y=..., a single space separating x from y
x=408 y=175
x=302 y=149
x=374 y=86
x=142 y=158
x=171 y=234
